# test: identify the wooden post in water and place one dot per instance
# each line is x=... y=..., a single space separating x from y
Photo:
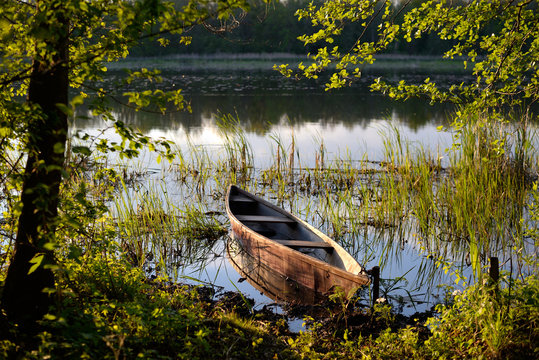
x=494 y=273
x=375 y=273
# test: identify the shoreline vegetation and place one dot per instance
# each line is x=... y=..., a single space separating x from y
x=110 y=310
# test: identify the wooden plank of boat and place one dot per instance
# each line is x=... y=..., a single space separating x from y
x=264 y=219
x=291 y=247
x=305 y=244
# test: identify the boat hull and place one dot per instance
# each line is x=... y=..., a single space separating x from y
x=306 y=267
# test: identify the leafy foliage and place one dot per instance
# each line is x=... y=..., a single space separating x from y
x=110 y=310
x=496 y=39
x=100 y=32
x=473 y=325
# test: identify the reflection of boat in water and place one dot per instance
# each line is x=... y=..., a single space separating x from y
x=286 y=257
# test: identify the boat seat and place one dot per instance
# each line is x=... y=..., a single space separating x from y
x=267 y=219
x=305 y=244
x=241 y=198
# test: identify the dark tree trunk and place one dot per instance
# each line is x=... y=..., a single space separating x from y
x=24 y=298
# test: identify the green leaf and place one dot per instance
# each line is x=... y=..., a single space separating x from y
x=77 y=100
x=49 y=246
x=36 y=261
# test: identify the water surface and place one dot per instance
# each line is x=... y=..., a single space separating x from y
x=351 y=123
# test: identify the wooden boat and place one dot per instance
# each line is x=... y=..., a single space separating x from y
x=290 y=247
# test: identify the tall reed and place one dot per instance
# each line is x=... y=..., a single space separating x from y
x=476 y=205
x=154 y=230
x=239 y=155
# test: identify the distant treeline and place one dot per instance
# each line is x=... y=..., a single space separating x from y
x=274 y=28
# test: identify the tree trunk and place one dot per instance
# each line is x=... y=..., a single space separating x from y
x=24 y=298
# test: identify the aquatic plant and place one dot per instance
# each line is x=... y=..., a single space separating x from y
x=412 y=199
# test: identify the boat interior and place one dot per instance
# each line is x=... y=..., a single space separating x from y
x=278 y=226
